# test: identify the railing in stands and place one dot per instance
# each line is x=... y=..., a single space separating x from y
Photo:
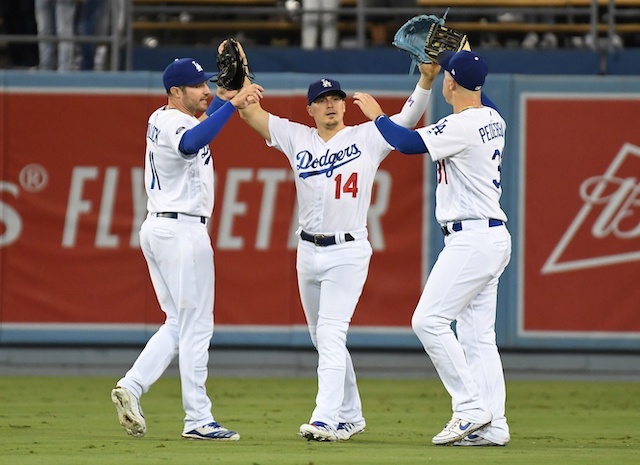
x=270 y=16
x=599 y=18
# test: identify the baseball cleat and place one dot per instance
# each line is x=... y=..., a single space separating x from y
x=456 y=430
x=212 y=431
x=129 y=411
x=475 y=440
x=318 y=431
x=346 y=430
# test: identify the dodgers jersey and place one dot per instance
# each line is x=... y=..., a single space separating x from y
x=333 y=179
x=467 y=148
x=176 y=182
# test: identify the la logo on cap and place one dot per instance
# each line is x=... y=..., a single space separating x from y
x=326 y=83
x=199 y=67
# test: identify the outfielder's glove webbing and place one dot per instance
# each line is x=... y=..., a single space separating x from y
x=232 y=66
x=423 y=37
x=442 y=38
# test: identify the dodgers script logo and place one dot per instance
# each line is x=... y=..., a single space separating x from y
x=308 y=165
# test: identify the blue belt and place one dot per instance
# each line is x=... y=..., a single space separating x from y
x=323 y=240
x=174 y=215
x=457 y=226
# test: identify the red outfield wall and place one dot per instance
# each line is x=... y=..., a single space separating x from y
x=73 y=199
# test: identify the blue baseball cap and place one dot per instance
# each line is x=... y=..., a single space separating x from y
x=323 y=87
x=466 y=68
x=184 y=72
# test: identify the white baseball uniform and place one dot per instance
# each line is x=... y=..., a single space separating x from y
x=334 y=180
x=176 y=245
x=463 y=283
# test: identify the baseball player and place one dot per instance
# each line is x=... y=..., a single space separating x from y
x=467 y=147
x=334 y=168
x=176 y=245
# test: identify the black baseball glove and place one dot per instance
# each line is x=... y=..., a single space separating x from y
x=232 y=65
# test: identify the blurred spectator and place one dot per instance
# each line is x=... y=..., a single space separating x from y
x=323 y=24
x=89 y=12
x=110 y=21
x=18 y=18
x=532 y=39
x=384 y=27
x=55 y=17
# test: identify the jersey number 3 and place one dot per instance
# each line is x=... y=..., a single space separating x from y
x=349 y=187
x=497 y=182
x=442 y=170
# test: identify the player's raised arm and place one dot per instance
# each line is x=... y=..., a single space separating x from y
x=221 y=97
x=423 y=37
x=203 y=133
x=258 y=118
x=415 y=106
x=428 y=74
x=403 y=139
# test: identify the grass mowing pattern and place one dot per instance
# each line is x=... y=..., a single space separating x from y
x=67 y=421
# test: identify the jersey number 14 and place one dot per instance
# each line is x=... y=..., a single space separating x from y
x=349 y=187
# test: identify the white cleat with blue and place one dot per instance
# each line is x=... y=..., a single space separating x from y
x=318 y=431
x=212 y=431
x=347 y=430
x=456 y=430
x=475 y=440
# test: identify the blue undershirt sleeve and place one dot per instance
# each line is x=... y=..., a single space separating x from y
x=216 y=103
x=486 y=101
x=404 y=140
x=203 y=133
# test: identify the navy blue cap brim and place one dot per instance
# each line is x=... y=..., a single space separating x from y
x=444 y=58
x=198 y=79
x=341 y=93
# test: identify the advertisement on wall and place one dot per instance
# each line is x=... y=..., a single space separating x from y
x=581 y=215
x=72 y=200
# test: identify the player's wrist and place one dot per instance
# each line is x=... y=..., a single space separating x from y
x=216 y=103
x=424 y=87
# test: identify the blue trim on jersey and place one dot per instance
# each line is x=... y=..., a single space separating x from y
x=155 y=179
x=203 y=133
x=402 y=139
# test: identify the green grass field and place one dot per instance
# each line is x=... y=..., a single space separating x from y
x=66 y=421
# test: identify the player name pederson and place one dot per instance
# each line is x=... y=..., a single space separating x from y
x=491 y=131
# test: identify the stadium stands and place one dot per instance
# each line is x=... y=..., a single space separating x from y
x=262 y=20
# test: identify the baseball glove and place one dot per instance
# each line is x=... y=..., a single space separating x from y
x=233 y=66
x=424 y=37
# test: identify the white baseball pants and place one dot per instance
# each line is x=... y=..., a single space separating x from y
x=463 y=286
x=330 y=281
x=180 y=260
